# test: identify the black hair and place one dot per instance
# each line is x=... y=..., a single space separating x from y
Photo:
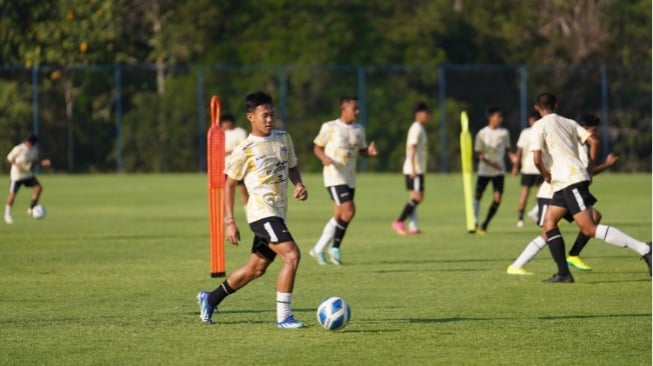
x=492 y=110
x=347 y=99
x=256 y=99
x=547 y=101
x=32 y=139
x=588 y=120
x=535 y=115
x=227 y=117
x=420 y=107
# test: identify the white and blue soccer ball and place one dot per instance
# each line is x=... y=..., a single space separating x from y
x=333 y=313
x=38 y=212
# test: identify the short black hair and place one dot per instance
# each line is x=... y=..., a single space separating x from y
x=347 y=99
x=227 y=117
x=547 y=100
x=588 y=120
x=493 y=110
x=32 y=139
x=421 y=107
x=256 y=99
x=535 y=115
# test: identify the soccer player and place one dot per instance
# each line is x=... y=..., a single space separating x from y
x=266 y=160
x=338 y=145
x=414 y=169
x=491 y=145
x=22 y=159
x=555 y=151
x=530 y=176
x=233 y=136
x=589 y=122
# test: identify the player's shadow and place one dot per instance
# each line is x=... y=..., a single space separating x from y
x=581 y=316
x=561 y=317
x=434 y=261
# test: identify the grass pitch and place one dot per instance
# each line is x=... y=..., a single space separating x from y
x=109 y=277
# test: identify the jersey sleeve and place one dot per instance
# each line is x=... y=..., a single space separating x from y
x=583 y=134
x=323 y=136
x=537 y=138
x=479 y=144
x=413 y=135
x=292 y=157
x=13 y=154
x=522 y=141
x=236 y=168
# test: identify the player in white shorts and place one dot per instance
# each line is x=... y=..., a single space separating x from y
x=233 y=136
x=530 y=176
x=414 y=169
x=338 y=145
x=266 y=161
x=555 y=147
x=22 y=159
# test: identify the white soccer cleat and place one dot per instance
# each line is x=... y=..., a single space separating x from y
x=9 y=219
x=319 y=256
x=533 y=214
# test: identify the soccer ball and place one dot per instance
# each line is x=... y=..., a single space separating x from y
x=333 y=313
x=38 y=212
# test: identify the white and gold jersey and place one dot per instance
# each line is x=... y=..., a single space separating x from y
x=416 y=137
x=559 y=138
x=22 y=158
x=342 y=143
x=492 y=143
x=233 y=138
x=527 y=162
x=263 y=163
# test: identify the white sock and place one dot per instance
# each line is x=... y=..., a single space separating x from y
x=412 y=221
x=477 y=209
x=327 y=235
x=7 y=210
x=614 y=236
x=529 y=252
x=283 y=306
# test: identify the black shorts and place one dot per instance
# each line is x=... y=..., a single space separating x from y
x=542 y=205
x=482 y=182
x=575 y=198
x=415 y=184
x=28 y=182
x=269 y=231
x=341 y=193
x=531 y=180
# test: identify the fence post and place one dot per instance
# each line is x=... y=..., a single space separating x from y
x=201 y=120
x=523 y=96
x=362 y=105
x=442 y=95
x=604 y=112
x=283 y=95
x=35 y=100
x=117 y=75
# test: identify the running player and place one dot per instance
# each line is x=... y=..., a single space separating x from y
x=530 y=176
x=22 y=159
x=338 y=145
x=491 y=145
x=266 y=160
x=233 y=136
x=414 y=169
x=555 y=149
x=589 y=122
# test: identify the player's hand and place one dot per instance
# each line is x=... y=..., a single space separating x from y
x=547 y=177
x=300 y=192
x=611 y=159
x=326 y=161
x=413 y=175
x=371 y=149
x=232 y=232
x=513 y=158
x=46 y=163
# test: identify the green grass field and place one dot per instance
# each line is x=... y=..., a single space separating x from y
x=110 y=278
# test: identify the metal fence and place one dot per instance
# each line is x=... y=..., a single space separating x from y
x=143 y=119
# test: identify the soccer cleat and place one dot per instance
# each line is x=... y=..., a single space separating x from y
x=576 y=262
x=290 y=323
x=319 y=256
x=481 y=232
x=533 y=215
x=520 y=223
x=518 y=271
x=399 y=227
x=206 y=310
x=556 y=278
x=414 y=232
x=334 y=253
x=9 y=219
x=647 y=258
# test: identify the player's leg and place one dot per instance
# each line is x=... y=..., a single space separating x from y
x=573 y=259
x=497 y=186
x=481 y=184
x=329 y=230
x=36 y=194
x=345 y=212
x=290 y=255
x=532 y=248
x=523 y=198
x=414 y=185
x=14 y=186
x=555 y=242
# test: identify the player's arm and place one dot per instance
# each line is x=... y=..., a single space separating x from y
x=231 y=229
x=515 y=159
x=539 y=163
x=319 y=152
x=610 y=160
x=593 y=144
x=369 y=151
x=412 y=152
x=481 y=158
x=295 y=175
